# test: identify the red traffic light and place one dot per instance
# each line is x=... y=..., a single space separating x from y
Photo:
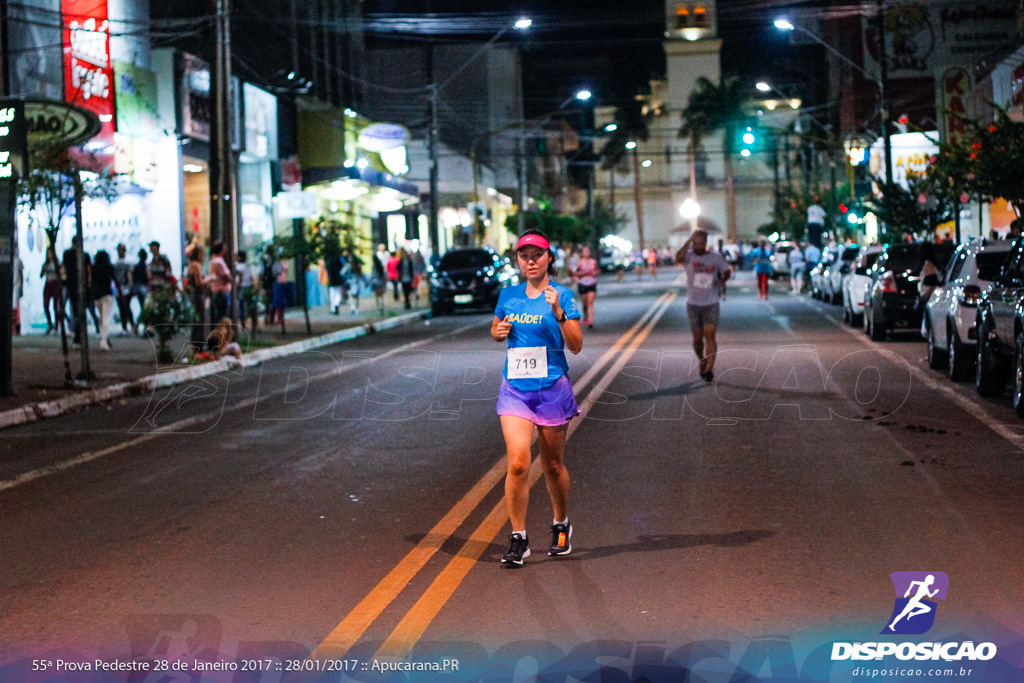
x=844 y=208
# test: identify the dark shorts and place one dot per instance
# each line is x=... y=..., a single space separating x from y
x=702 y=315
x=586 y=289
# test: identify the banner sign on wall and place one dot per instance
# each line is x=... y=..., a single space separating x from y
x=88 y=72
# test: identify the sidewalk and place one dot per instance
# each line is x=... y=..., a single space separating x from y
x=38 y=364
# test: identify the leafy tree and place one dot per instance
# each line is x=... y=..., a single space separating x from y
x=717 y=108
x=47 y=195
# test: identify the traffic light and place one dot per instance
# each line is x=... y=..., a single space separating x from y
x=749 y=138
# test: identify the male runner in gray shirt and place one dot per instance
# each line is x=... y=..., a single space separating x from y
x=706 y=273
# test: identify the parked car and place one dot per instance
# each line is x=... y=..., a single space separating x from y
x=856 y=283
x=780 y=259
x=468 y=278
x=951 y=314
x=892 y=299
x=832 y=276
x=998 y=323
x=611 y=260
x=814 y=277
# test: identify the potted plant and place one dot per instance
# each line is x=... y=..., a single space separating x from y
x=165 y=314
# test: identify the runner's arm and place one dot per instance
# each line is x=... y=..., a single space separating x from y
x=681 y=254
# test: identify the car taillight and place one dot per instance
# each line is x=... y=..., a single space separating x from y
x=889 y=284
x=970 y=296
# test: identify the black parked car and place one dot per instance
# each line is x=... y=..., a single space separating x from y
x=469 y=278
x=999 y=330
x=892 y=301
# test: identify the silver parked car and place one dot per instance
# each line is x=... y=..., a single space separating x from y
x=951 y=312
x=856 y=283
x=832 y=277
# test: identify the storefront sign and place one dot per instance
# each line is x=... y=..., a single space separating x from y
x=383 y=136
x=260 y=122
x=88 y=72
x=296 y=204
x=911 y=155
x=56 y=124
x=922 y=40
x=12 y=141
x=136 y=96
x=956 y=88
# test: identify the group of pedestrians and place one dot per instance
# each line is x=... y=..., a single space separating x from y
x=405 y=269
x=104 y=286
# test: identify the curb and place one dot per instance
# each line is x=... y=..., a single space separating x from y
x=48 y=409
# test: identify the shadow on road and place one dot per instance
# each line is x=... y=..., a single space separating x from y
x=681 y=390
x=644 y=544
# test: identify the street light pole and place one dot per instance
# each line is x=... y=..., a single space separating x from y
x=433 y=221
x=884 y=64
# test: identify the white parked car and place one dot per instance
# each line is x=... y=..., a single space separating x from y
x=832 y=277
x=780 y=259
x=856 y=283
x=950 y=314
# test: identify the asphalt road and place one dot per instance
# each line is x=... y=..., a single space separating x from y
x=347 y=503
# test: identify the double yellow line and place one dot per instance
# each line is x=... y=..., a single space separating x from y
x=416 y=621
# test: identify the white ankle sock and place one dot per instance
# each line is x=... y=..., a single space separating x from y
x=520 y=534
x=564 y=522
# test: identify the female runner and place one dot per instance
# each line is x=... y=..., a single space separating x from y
x=539 y=319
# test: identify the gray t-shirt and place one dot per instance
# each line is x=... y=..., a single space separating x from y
x=701 y=273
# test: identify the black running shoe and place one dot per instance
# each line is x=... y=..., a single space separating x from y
x=707 y=376
x=518 y=550
x=561 y=539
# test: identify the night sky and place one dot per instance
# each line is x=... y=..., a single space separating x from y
x=613 y=47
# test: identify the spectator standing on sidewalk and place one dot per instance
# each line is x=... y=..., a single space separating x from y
x=219 y=279
x=140 y=285
x=406 y=271
x=354 y=275
x=337 y=284
x=195 y=288
x=393 y=271
x=74 y=286
x=16 y=292
x=267 y=279
x=123 y=275
x=104 y=289
x=158 y=272
x=248 y=305
x=379 y=284
x=51 y=291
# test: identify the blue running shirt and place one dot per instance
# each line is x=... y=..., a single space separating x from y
x=533 y=324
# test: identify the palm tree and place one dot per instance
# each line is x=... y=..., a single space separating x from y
x=716 y=108
x=631 y=126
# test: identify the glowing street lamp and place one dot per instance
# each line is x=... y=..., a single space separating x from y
x=584 y=95
x=523 y=24
x=690 y=209
x=611 y=128
x=630 y=145
x=763 y=87
x=784 y=25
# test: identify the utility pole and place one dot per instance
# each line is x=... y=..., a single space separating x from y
x=523 y=191
x=85 y=375
x=222 y=214
x=434 y=232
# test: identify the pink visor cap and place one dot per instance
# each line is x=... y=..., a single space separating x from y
x=532 y=240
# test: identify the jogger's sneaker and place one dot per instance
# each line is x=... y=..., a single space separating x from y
x=518 y=550
x=561 y=539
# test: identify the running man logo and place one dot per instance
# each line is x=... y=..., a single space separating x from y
x=524 y=319
x=914 y=612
